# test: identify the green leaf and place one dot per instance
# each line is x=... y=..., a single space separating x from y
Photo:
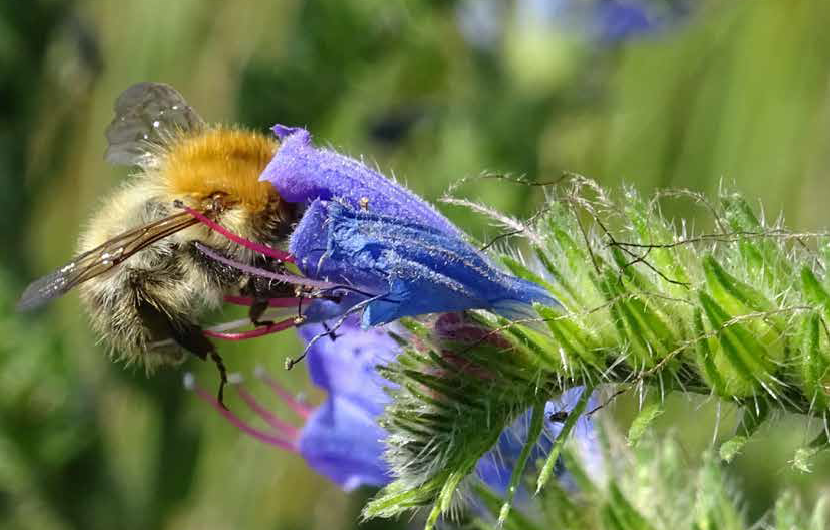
x=534 y=431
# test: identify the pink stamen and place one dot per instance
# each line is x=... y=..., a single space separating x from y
x=272 y=302
x=283 y=427
x=297 y=406
x=256 y=247
x=256 y=332
x=239 y=423
x=287 y=278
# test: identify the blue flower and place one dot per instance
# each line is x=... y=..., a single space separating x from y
x=484 y=22
x=403 y=268
x=301 y=173
x=607 y=21
x=392 y=253
x=495 y=467
x=346 y=365
x=341 y=439
x=617 y=20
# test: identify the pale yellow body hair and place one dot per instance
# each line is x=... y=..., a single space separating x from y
x=192 y=168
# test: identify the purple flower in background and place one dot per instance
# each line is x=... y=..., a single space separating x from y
x=483 y=22
x=343 y=441
x=613 y=21
x=606 y=21
x=391 y=254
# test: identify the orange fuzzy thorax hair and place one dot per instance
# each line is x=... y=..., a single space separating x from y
x=221 y=160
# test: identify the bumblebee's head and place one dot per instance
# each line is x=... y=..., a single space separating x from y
x=221 y=161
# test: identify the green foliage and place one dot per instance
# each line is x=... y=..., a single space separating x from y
x=715 y=313
x=651 y=487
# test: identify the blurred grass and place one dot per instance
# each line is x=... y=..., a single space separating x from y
x=738 y=92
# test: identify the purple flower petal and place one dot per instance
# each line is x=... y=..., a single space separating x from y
x=302 y=173
x=342 y=441
x=409 y=268
x=345 y=366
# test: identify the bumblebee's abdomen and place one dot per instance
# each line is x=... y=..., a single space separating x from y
x=221 y=160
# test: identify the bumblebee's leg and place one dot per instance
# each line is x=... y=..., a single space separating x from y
x=192 y=339
x=261 y=290
x=186 y=334
x=256 y=310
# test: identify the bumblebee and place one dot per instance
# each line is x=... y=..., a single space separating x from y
x=141 y=275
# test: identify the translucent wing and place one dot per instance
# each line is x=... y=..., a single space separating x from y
x=100 y=260
x=146 y=115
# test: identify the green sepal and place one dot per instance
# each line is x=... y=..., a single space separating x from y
x=576 y=340
x=740 y=357
x=643 y=421
x=707 y=350
x=762 y=255
x=802 y=457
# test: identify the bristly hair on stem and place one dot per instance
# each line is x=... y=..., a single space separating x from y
x=741 y=312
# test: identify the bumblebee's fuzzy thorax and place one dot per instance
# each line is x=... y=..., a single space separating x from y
x=221 y=160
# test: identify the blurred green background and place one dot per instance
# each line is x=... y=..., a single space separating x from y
x=431 y=91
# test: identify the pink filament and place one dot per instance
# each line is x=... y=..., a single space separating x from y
x=272 y=302
x=256 y=247
x=256 y=332
x=244 y=427
x=287 y=278
x=295 y=405
x=269 y=417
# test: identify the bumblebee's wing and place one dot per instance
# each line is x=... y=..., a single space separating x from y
x=146 y=115
x=100 y=260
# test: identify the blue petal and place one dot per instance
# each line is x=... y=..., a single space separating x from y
x=342 y=441
x=616 y=20
x=410 y=268
x=301 y=173
x=345 y=366
x=495 y=467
